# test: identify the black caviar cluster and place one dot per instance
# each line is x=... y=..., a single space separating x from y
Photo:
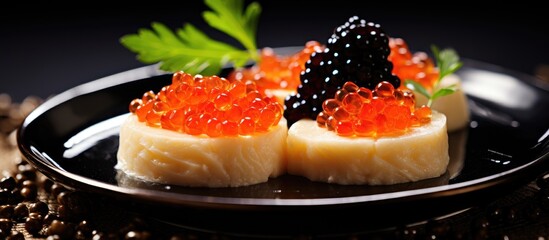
x=357 y=51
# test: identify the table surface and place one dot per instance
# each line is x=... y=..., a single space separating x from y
x=46 y=53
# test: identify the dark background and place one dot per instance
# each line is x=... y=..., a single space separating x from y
x=47 y=48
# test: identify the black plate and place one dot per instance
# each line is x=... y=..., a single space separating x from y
x=73 y=138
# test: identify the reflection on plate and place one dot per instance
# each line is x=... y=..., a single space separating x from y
x=73 y=139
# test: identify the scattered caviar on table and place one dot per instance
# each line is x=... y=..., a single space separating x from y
x=359 y=111
x=417 y=66
x=209 y=105
x=275 y=71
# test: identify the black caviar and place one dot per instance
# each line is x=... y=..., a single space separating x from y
x=357 y=51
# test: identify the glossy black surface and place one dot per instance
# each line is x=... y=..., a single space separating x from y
x=73 y=138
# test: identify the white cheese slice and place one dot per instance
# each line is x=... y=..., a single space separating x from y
x=322 y=155
x=170 y=157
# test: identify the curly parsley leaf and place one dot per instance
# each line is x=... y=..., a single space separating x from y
x=229 y=18
x=447 y=61
x=191 y=50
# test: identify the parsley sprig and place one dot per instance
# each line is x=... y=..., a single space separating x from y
x=191 y=50
x=447 y=61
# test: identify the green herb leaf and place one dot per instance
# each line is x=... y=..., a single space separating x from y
x=228 y=18
x=447 y=62
x=415 y=86
x=191 y=50
x=442 y=92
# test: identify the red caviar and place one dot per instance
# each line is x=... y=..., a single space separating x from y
x=357 y=111
x=208 y=105
x=277 y=72
x=418 y=66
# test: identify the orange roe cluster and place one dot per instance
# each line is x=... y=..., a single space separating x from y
x=418 y=66
x=208 y=105
x=277 y=72
x=385 y=111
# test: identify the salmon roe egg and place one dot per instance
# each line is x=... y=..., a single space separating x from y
x=418 y=66
x=211 y=105
x=277 y=72
x=385 y=111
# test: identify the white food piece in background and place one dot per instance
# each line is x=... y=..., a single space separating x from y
x=321 y=155
x=169 y=157
x=454 y=106
x=458 y=151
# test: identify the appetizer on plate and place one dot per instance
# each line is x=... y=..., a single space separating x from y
x=203 y=132
x=367 y=130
